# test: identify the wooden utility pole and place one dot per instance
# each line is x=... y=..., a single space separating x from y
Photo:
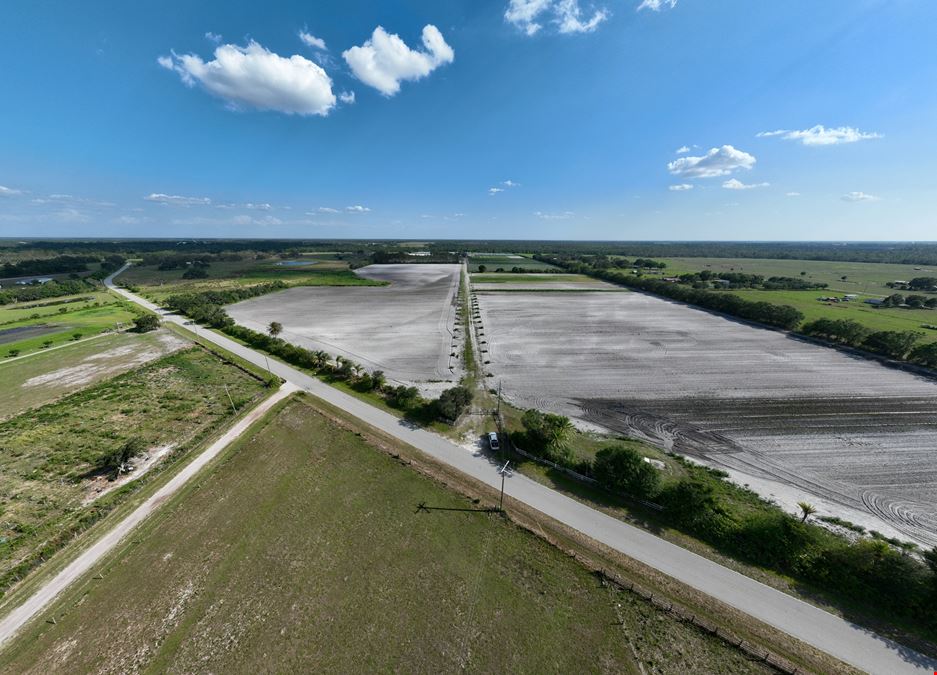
x=503 y=471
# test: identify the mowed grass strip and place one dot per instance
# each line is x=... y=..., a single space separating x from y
x=49 y=456
x=304 y=551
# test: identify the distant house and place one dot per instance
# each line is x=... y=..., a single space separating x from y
x=850 y=296
x=722 y=282
x=673 y=280
x=874 y=301
x=33 y=280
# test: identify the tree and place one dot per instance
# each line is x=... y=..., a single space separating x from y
x=275 y=328
x=892 y=343
x=195 y=273
x=806 y=510
x=145 y=323
x=482 y=268
x=453 y=402
x=925 y=354
x=378 y=379
x=621 y=469
x=117 y=461
x=546 y=433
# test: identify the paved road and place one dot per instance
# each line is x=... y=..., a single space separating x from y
x=844 y=640
x=15 y=620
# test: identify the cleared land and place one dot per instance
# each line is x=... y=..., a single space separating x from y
x=540 y=282
x=495 y=261
x=52 y=485
x=405 y=328
x=792 y=419
x=41 y=377
x=304 y=551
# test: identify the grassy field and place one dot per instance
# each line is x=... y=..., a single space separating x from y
x=868 y=278
x=104 y=312
x=516 y=278
x=890 y=318
x=46 y=375
x=49 y=482
x=493 y=262
x=158 y=284
x=304 y=550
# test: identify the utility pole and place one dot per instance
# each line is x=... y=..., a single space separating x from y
x=499 y=400
x=233 y=407
x=268 y=364
x=503 y=471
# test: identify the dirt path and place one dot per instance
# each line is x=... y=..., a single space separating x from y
x=12 y=622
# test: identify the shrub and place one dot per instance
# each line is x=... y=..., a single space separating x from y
x=621 y=469
x=453 y=402
x=145 y=323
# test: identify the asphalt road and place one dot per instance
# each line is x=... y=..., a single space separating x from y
x=838 y=637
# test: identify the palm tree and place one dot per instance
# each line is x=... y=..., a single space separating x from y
x=275 y=328
x=807 y=510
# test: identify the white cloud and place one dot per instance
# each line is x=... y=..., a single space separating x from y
x=327 y=209
x=495 y=190
x=311 y=40
x=567 y=15
x=71 y=216
x=792 y=194
x=564 y=215
x=736 y=184
x=717 y=162
x=820 y=135
x=384 y=61
x=859 y=197
x=258 y=78
x=569 y=18
x=213 y=37
x=357 y=208
x=177 y=200
x=682 y=150
x=657 y=5
x=510 y=183
x=347 y=97
x=681 y=187
x=9 y=192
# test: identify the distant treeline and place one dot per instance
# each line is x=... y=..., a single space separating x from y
x=707 y=278
x=899 y=345
x=902 y=253
x=62 y=264
x=52 y=289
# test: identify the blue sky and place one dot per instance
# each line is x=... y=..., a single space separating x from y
x=479 y=118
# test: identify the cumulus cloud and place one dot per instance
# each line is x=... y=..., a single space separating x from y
x=357 y=208
x=177 y=200
x=682 y=150
x=682 y=187
x=657 y=5
x=717 y=162
x=510 y=183
x=566 y=15
x=820 y=135
x=384 y=61
x=311 y=40
x=736 y=184
x=255 y=77
x=213 y=37
x=859 y=197
x=347 y=97
x=9 y=192
x=495 y=190
x=327 y=209
x=502 y=186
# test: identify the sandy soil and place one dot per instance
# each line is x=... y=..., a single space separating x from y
x=794 y=420
x=404 y=329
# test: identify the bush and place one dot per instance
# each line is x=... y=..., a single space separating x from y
x=195 y=273
x=115 y=461
x=621 y=469
x=145 y=323
x=452 y=403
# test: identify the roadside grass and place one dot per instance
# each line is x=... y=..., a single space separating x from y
x=49 y=464
x=874 y=318
x=869 y=278
x=126 y=350
x=82 y=318
x=304 y=550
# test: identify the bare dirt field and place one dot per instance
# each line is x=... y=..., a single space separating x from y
x=792 y=419
x=404 y=329
x=541 y=282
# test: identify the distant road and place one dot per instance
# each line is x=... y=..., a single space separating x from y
x=17 y=618
x=838 y=637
